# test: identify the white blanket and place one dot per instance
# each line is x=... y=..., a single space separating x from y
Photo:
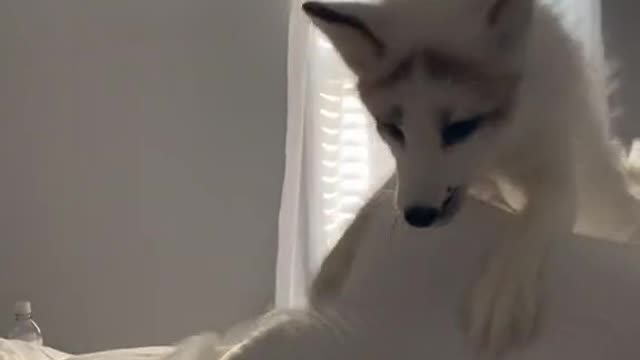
x=405 y=296
x=19 y=350
x=210 y=343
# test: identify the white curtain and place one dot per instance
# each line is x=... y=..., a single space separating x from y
x=334 y=158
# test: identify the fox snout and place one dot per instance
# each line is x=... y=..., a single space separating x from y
x=424 y=216
x=421 y=216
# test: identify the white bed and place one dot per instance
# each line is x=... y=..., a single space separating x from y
x=592 y=306
x=18 y=350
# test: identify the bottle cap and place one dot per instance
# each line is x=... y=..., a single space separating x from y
x=23 y=308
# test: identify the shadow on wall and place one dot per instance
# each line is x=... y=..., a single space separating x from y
x=621 y=26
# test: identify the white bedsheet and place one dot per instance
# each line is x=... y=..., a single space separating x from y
x=189 y=348
x=144 y=353
x=19 y=350
x=592 y=298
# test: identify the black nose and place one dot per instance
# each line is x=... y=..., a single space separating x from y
x=421 y=217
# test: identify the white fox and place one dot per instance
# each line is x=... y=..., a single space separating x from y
x=468 y=90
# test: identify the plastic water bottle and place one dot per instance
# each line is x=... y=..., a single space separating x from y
x=25 y=328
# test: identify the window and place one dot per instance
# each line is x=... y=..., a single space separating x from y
x=350 y=160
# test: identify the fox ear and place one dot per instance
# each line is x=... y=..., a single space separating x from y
x=348 y=27
x=510 y=20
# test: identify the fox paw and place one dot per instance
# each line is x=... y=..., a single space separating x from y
x=502 y=312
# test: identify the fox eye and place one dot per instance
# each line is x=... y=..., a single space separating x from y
x=389 y=127
x=459 y=131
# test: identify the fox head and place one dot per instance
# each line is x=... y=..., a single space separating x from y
x=440 y=78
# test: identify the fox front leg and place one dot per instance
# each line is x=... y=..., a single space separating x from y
x=505 y=303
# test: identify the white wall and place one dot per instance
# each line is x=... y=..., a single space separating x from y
x=141 y=152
